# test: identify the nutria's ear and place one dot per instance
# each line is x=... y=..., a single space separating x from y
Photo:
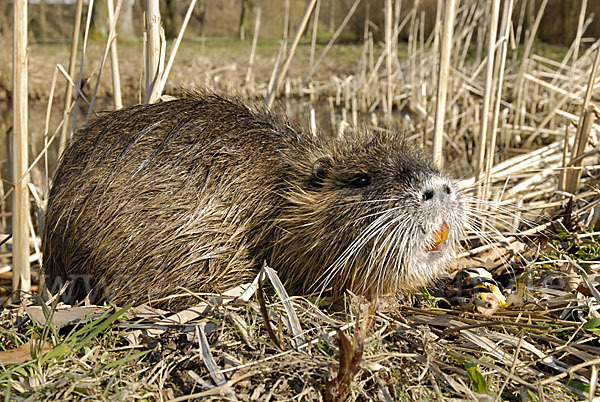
x=320 y=170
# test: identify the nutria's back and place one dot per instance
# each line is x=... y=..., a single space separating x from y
x=198 y=192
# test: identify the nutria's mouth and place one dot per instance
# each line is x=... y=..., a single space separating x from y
x=439 y=236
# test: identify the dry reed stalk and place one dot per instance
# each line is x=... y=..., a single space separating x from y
x=271 y=96
x=519 y=29
x=440 y=107
x=388 y=47
x=3 y=213
x=313 y=40
x=488 y=94
x=363 y=60
x=412 y=47
x=501 y=62
x=163 y=75
x=520 y=88
x=566 y=95
x=354 y=110
x=49 y=141
x=107 y=50
x=436 y=39
x=21 y=268
x=276 y=67
x=153 y=70
x=142 y=68
x=313 y=117
x=562 y=180
x=588 y=52
x=396 y=32
x=573 y=51
x=375 y=69
x=573 y=117
x=469 y=30
x=555 y=89
x=517 y=164
x=593 y=382
x=68 y=89
x=46 y=130
x=114 y=58
x=505 y=136
x=287 y=94
x=286 y=20
x=371 y=52
x=481 y=29
x=584 y=128
x=422 y=83
x=81 y=65
x=34 y=240
x=73 y=85
x=253 y=51
x=334 y=37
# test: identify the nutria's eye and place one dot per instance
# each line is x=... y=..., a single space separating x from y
x=362 y=180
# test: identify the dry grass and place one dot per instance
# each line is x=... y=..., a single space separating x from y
x=412 y=350
x=540 y=242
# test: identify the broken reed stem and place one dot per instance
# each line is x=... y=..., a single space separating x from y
x=69 y=88
x=153 y=46
x=21 y=281
x=584 y=128
x=488 y=93
x=114 y=59
x=271 y=96
x=444 y=68
x=592 y=80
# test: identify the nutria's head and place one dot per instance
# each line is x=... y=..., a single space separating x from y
x=371 y=214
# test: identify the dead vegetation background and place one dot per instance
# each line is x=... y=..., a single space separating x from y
x=543 y=248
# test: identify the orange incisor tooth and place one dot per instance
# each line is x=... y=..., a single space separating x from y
x=441 y=234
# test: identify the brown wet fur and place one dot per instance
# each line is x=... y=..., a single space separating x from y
x=198 y=192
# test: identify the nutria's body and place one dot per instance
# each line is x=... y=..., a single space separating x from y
x=198 y=192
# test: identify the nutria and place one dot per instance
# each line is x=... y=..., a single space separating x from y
x=199 y=192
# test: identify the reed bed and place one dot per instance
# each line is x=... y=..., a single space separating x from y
x=518 y=129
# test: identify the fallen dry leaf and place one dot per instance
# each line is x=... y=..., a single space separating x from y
x=24 y=352
x=63 y=317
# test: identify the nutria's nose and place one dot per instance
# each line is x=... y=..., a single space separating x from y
x=438 y=190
